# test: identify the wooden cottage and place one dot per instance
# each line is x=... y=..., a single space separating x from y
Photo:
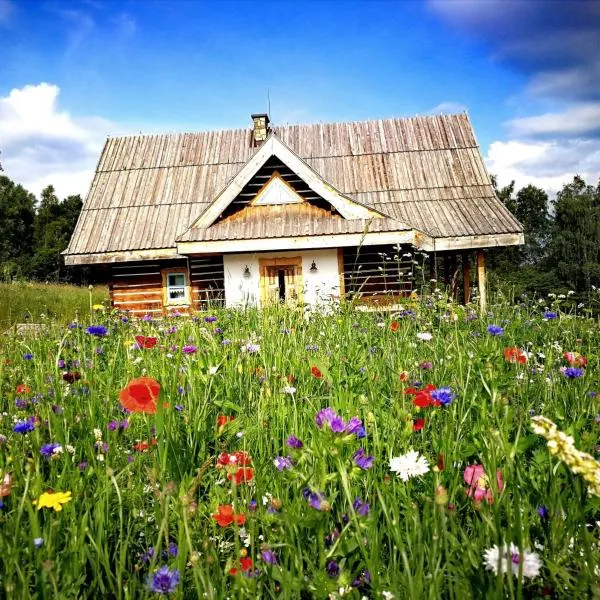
x=295 y=213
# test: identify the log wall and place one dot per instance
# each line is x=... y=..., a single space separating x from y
x=208 y=281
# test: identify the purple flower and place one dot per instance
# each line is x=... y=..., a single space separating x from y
x=443 y=395
x=363 y=580
x=495 y=330
x=269 y=557
x=550 y=315
x=362 y=460
x=211 y=319
x=294 y=442
x=283 y=462
x=97 y=330
x=48 y=450
x=252 y=348
x=361 y=508
x=226 y=342
x=333 y=569
x=217 y=330
x=147 y=318
x=337 y=424
x=28 y=356
x=61 y=363
x=426 y=365
x=23 y=427
x=190 y=349
x=572 y=372
x=113 y=425
x=20 y=403
x=72 y=325
x=317 y=500
x=355 y=426
x=83 y=465
x=542 y=511
x=163 y=580
x=38 y=542
x=325 y=415
x=312 y=347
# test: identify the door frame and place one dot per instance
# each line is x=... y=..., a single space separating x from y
x=292 y=261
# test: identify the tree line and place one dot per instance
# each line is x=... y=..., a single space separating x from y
x=561 y=251
x=33 y=234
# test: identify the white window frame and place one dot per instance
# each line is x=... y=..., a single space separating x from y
x=185 y=300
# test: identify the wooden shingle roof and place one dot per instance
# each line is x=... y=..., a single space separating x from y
x=426 y=172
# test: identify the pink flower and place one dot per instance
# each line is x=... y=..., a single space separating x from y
x=479 y=483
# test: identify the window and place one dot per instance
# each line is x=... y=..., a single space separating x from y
x=176 y=292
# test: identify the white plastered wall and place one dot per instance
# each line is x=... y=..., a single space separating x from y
x=319 y=288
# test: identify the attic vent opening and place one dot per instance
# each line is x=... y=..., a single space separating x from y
x=260 y=128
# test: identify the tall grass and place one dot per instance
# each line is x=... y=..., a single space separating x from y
x=23 y=302
x=422 y=538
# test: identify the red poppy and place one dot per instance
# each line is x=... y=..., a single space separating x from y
x=23 y=389
x=394 y=325
x=240 y=459
x=222 y=420
x=143 y=446
x=245 y=565
x=145 y=342
x=140 y=395
x=225 y=516
x=242 y=475
x=515 y=355
x=418 y=424
x=403 y=376
x=315 y=372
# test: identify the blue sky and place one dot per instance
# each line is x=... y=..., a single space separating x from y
x=74 y=72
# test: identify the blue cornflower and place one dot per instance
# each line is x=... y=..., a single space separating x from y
x=226 y=342
x=217 y=330
x=443 y=395
x=97 y=330
x=163 y=580
x=495 y=330
x=23 y=427
x=363 y=461
x=28 y=356
x=48 y=450
x=211 y=319
x=550 y=315
x=72 y=325
x=312 y=347
x=542 y=511
x=572 y=372
x=317 y=500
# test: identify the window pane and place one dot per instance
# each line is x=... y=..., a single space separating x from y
x=176 y=279
x=176 y=293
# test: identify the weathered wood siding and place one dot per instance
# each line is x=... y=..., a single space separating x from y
x=208 y=281
x=136 y=288
x=378 y=272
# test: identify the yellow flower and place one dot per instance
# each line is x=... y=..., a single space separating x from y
x=98 y=307
x=53 y=500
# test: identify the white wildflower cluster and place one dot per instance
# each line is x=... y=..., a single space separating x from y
x=508 y=559
x=411 y=464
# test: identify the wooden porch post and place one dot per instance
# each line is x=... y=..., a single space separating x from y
x=466 y=277
x=481 y=280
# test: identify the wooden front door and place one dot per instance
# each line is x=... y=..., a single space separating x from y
x=281 y=280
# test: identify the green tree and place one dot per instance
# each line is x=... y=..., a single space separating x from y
x=16 y=227
x=575 y=242
x=54 y=224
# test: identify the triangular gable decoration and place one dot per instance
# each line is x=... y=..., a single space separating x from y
x=276 y=191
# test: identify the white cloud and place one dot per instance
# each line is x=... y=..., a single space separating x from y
x=545 y=164
x=578 y=119
x=43 y=145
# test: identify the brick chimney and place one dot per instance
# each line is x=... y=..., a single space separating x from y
x=260 y=128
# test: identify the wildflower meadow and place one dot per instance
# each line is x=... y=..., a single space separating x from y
x=432 y=452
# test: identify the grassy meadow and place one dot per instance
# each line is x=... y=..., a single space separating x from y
x=278 y=454
x=25 y=302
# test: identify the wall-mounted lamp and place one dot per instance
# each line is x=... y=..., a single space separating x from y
x=313 y=267
x=247 y=271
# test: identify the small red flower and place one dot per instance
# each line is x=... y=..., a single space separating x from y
x=394 y=325
x=418 y=424
x=145 y=342
x=23 y=389
x=315 y=372
x=140 y=395
x=143 y=446
x=245 y=565
x=575 y=359
x=441 y=465
x=70 y=377
x=225 y=516
x=222 y=420
x=515 y=355
x=242 y=475
x=403 y=376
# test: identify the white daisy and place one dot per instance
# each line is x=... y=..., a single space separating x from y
x=409 y=465
x=508 y=558
x=425 y=336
